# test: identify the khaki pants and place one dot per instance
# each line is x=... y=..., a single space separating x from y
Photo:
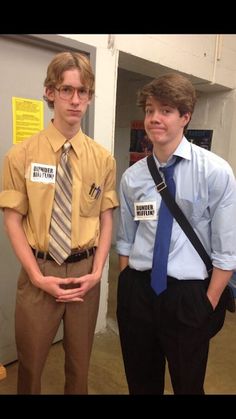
x=37 y=320
x=3 y=372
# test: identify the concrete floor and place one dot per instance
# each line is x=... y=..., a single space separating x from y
x=106 y=374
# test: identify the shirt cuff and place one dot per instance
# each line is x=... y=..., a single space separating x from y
x=109 y=201
x=14 y=200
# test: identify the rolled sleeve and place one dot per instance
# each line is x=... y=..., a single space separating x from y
x=123 y=248
x=109 y=200
x=14 y=200
x=224 y=238
x=224 y=227
x=14 y=193
x=127 y=227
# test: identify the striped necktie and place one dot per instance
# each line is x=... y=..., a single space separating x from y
x=163 y=236
x=60 y=228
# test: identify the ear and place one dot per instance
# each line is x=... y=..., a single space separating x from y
x=186 y=118
x=50 y=93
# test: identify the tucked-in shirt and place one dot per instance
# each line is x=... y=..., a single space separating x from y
x=29 y=185
x=206 y=193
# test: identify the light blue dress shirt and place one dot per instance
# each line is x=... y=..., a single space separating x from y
x=206 y=193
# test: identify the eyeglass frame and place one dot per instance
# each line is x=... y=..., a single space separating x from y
x=73 y=89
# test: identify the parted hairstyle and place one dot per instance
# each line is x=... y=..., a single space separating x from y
x=68 y=61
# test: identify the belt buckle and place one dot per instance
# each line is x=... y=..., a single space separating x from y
x=43 y=255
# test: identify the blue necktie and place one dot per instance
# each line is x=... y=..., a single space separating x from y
x=163 y=235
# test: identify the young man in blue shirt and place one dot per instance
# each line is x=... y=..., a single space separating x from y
x=176 y=325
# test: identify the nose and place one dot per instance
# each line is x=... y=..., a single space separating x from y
x=155 y=116
x=76 y=97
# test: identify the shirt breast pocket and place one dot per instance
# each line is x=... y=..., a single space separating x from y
x=194 y=211
x=90 y=202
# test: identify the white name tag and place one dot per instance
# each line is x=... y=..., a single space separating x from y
x=145 y=211
x=43 y=173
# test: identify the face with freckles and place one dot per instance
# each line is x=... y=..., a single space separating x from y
x=164 y=124
x=70 y=99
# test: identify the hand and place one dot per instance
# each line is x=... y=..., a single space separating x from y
x=213 y=301
x=80 y=287
x=59 y=288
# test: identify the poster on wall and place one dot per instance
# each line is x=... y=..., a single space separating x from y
x=27 y=118
x=200 y=137
x=140 y=144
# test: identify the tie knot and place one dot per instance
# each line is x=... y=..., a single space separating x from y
x=65 y=152
x=66 y=147
x=169 y=170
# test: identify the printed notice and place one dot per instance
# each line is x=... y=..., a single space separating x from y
x=27 y=118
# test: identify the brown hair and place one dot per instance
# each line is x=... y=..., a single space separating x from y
x=68 y=61
x=172 y=89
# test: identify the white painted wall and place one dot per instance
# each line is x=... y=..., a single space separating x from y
x=216 y=111
x=210 y=57
x=104 y=126
x=173 y=51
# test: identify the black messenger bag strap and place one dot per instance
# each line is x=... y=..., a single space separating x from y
x=177 y=213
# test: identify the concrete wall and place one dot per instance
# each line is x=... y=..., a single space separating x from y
x=216 y=111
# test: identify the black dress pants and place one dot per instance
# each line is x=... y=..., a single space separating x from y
x=175 y=326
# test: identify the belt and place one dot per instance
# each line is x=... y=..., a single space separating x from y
x=75 y=257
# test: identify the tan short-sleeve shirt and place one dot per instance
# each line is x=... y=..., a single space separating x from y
x=29 y=185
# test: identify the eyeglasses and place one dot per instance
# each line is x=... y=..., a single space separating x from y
x=67 y=92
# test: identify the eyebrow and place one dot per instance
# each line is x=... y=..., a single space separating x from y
x=69 y=85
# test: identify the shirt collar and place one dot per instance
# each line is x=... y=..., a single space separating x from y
x=56 y=139
x=183 y=150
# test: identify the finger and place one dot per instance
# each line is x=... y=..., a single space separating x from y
x=69 y=292
x=66 y=281
x=68 y=297
x=76 y=280
x=70 y=300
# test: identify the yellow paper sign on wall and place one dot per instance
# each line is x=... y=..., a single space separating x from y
x=27 y=118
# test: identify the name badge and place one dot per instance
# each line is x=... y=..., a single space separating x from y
x=145 y=211
x=43 y=173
